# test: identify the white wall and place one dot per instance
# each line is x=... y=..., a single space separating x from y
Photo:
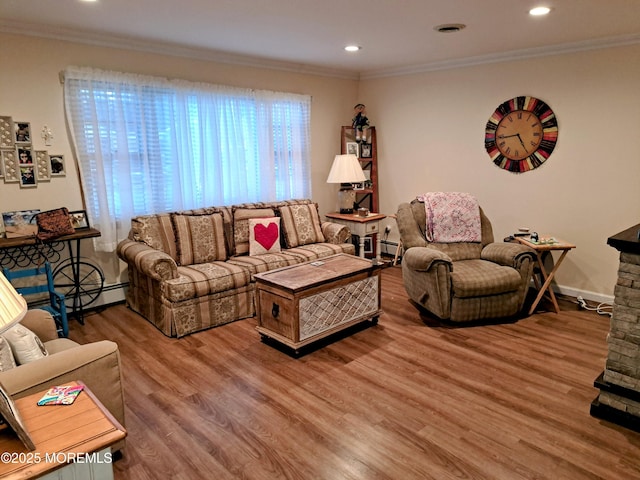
x=431 y=138
x=31 y=91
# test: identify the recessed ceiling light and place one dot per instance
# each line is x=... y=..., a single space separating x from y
x=352 y=48
x=449 y=27
x=539 y=11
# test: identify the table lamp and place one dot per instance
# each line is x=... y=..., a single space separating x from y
x=12 y=305
x=346 y=170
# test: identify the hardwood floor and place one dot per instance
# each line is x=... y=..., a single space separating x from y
x=405 y=399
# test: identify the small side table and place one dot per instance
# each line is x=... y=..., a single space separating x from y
x=361 y=226
x=541 y=249
x=73 y=437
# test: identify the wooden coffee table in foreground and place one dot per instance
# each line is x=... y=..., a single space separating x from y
x=304 y=303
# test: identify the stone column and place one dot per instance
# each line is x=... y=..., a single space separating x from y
x=619 y=384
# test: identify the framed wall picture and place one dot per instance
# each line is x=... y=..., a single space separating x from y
x=27 y=176
x=22 y=133
x=57 y=165
x=25 y=155
x=12 y=417
x=79 y=219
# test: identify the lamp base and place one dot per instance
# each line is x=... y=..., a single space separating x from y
x=346 y=199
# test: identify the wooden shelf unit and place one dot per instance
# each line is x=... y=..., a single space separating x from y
x=368 y=197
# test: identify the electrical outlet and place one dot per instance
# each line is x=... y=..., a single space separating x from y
x=387 y=229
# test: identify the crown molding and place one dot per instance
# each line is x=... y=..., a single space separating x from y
x=514 y=55
x=164 y=48
x=210 y=55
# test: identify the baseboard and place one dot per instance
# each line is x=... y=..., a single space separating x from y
x=587 y=295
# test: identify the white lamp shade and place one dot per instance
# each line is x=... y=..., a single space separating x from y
x=12 y=305
x=346 y=169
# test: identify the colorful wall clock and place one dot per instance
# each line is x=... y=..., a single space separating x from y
x=521 y=134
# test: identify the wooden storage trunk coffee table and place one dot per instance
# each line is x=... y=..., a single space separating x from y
x=304 y=303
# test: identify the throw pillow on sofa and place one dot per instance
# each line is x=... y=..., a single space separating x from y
x=199 y=238
x=301 y=225
x=7 y=362
x=241 y=218
x=264 y=235
x=25 y=345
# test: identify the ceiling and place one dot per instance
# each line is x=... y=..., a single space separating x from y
x=396 y=36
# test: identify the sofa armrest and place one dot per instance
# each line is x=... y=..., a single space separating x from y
x=41 y=323
x=335 y=233
x=507 y=254
x=422 y=259
x=96 y=364
x=151 y=262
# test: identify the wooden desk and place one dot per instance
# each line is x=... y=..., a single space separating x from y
x=541 y=249
x=82 y=431
x=361 y=226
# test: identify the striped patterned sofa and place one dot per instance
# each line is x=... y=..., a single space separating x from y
x=184 y=277
x=462 y=282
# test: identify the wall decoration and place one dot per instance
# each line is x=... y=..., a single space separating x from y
x=6 y=132
x=366 y=150
x=10 y=166
x=57 y=165
x=22 y=133
x=521 y=134
x=43 y=166
x=27 y=176
x=20 y=162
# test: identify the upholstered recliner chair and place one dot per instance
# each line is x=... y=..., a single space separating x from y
x=96 y=364
x=464 y=281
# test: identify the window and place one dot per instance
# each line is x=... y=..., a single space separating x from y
x=148 y=145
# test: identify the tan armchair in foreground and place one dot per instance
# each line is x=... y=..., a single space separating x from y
x=462 y=282
x=96 y=364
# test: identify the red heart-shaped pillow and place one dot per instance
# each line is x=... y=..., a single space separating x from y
x=266 y=235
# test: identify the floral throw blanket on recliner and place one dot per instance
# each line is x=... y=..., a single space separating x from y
x=451 y=217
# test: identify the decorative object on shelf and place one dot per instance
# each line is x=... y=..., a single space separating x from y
x=346 y=170
x=54 y=223
x=20 y=223
x=521 y=134
x=360 y=122
x=79 y=219
x=47 y=135
x=19 y=162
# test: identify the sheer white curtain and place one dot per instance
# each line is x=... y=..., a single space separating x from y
x=148 y=145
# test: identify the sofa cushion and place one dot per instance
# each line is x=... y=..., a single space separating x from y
x=301 y=225
x=314 y=251
x=478 y=278
x=266 y=262
x=199 y=238
x=204 y=279
x=241 y=218
x=264 y=235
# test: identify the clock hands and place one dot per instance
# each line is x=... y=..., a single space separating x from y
x=515 y=135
